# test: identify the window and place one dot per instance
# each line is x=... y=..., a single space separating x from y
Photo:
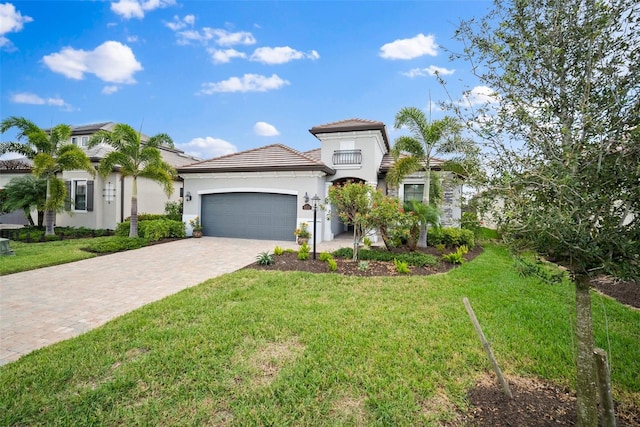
x=79 y=189
x=413 y=192
x=85 y=141
x=74 y=140
x=79 y=195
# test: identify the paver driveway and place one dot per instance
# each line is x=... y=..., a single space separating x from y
x=44 y=306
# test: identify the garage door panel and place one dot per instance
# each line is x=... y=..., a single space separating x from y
x=262 y=216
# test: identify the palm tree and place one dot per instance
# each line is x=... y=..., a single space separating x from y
x=135 y=158
x=51 y=154
x=427 y=138
x=26 y=193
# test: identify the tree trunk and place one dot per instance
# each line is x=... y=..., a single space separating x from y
x=422 y=240
x=49 y=215
x=586 y=385
x=40 y=218
x=356 y=242
x=133 y=227
x=27 y=213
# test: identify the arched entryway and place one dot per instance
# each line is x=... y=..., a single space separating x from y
x=337 y=226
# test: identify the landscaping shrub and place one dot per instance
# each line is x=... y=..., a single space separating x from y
x=456 y=257
x=470 y=222
x=265 y=258
x=116 y=244
x=278 y=250
x=451 y=237
x=173 y=211
x=303 y=252
x=154 y=230
x=413 y=258
x=402 y=267
x=325 y=256
x=149 y=217
x=333 y=265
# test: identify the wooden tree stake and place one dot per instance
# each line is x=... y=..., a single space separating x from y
x=487 y=347
x=604 y=386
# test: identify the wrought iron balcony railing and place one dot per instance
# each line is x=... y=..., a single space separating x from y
x=347 y=157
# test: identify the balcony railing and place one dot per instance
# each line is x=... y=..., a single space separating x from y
x=347 y=157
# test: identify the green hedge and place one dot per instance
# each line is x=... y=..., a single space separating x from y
x=37 y=234
x=116 y=244
x=412 y=258
x=153 y=230
x=451 y=237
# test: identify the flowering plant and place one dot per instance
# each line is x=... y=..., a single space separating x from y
x=302 y=231
x=195 y=224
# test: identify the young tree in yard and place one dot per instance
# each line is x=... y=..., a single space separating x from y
x=135 y=158
x=565 y=136
x=427 y=139
x=51 y=154
x=26 y=193
x=353 y=202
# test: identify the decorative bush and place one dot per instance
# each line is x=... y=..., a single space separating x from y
x=402 y=267
x=303 y=252
x=116 y=244
x=154 y=229
x=451 y=237
x=278 y=250
x=414 y=258
x=148 y=217
x=456 y=257
x=325 y=256
x=471 y=222
x=333 y=265
x=173 y=210
x=265 y=258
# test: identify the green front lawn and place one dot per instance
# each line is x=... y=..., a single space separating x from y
x=276 y=348
x=30 y=256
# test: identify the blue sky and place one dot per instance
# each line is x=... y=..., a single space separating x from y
x=221 y=77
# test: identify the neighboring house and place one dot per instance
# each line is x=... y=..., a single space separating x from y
x=102 y=203
x=262 y=193
x=9 y=169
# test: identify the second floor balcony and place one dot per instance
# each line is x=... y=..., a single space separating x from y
x=347 y=157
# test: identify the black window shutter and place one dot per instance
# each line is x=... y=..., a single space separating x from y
x=90 y=196
x=67 y=202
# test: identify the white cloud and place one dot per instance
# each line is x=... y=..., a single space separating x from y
x=216 y=35
x=136 y=8
x=132 y=39
x=179 y=24
x=108 y=90
x=480 y=95
x=432 y=70
x=11 y=21
x=280 y=55
x=208 y=147
x=33 y=99
x=265 y=129
x=410 y=48
x=246 y=83
x=225 y=55
x=111 y=62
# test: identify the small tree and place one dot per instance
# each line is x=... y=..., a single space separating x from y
x=26 y=193
x=353 y=202
x=564 y=131
x=135 y=158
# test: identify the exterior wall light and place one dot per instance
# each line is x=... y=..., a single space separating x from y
x=187 y=197
x=109 y=192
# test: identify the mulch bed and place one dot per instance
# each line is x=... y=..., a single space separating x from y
x=535 y=402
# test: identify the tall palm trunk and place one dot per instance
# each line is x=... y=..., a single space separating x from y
x=422 y=240
x=133 y=228
x=49 y=215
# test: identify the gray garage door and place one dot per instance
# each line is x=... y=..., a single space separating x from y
x=249 y=215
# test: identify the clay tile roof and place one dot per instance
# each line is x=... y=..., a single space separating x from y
x=316 y=154
x=388 y=161
x=350 y=125
x=91 y=128
x=276 y=157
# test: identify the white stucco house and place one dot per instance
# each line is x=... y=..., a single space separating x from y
x=102 y=203
x=263 y=193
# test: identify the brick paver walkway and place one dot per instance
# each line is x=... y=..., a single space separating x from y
x=44 y=306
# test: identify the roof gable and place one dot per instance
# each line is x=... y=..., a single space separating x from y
x=275 y=157
x=352 y=125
